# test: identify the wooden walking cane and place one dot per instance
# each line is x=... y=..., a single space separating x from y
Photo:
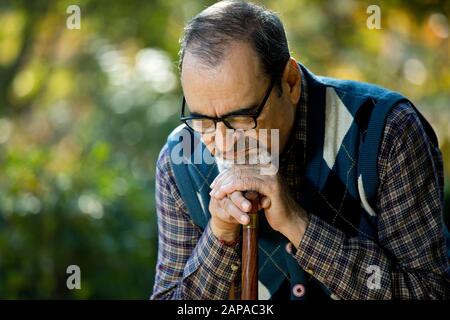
x=249 y=279
x=249 y=270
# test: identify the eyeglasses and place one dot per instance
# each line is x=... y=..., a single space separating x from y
x=205 y=124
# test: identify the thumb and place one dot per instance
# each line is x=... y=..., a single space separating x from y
x=265 y=202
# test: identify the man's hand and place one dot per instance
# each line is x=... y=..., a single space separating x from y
x=283 y=213
x=227 y=215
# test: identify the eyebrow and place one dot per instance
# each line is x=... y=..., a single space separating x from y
x=242 y=111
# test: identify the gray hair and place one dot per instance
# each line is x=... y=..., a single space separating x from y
x=208 y=35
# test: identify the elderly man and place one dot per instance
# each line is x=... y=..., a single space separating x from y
x=354 y=210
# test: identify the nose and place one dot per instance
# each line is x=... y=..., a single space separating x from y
x=223 y=138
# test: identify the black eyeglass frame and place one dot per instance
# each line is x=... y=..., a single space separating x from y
x=254 y=116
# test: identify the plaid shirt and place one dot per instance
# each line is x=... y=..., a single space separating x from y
x=411 y=256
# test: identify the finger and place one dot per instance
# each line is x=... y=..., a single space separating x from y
x=232 y=210
x=236 y=172
x=240 y=201
x=265 y=202
x=243 y=184
x=225 y=216
x=219 y=178
x=224 y=175
x=227 y=172
x=228 y=178
x=216 y=209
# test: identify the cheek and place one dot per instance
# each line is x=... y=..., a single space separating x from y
x=271 y=118
x=277 y=118
x=280 y=115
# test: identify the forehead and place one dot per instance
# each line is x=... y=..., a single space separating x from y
x=235 y=82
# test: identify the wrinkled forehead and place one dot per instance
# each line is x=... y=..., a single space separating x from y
x=238 y=59
x=236 y=81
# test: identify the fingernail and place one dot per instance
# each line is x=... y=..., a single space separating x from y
x=246 y=204
x=244 y=219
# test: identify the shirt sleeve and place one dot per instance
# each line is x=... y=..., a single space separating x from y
x=191 y=264
x=410 y=260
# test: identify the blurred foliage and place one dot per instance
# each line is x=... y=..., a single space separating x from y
x=84 y=113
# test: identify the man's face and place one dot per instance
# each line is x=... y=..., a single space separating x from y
x=236 y=84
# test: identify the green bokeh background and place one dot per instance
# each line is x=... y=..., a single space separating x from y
x=84 y=113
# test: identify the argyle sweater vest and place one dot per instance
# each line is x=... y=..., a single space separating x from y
x=346 y=121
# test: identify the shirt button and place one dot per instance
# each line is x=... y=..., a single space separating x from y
x=298 y=290
x=234 y=267
x=288 y=248
x=334 y=297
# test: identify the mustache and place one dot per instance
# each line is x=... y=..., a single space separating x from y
x=243 y=144
x=241 y=154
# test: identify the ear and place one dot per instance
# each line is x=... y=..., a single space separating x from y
x=291 y=80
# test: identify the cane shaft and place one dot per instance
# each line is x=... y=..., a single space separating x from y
x=249 y=281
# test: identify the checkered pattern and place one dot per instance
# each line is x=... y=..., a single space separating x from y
x=412 y=260
x=190 y=263
x=412 y=255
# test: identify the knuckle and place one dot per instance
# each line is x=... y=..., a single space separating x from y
x=235 y=199
x=221 y=203
x=236 y=196
x=212 y=205
x=232 y=210
x=247 y=182
x=216 y=211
